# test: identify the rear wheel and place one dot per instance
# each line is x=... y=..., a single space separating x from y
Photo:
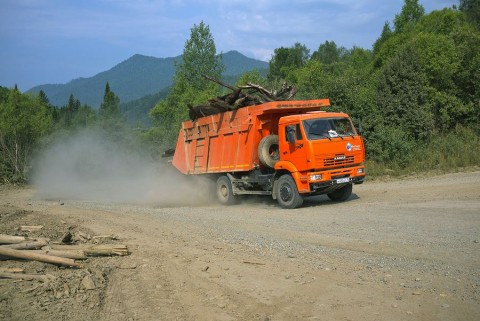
x=225 y=191
x=341 y=194
x=287 y=193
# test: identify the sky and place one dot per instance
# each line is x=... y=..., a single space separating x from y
x=55 y=41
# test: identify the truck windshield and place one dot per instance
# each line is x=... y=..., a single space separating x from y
x=327 y=128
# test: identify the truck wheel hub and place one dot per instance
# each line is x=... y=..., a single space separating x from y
x=224 y=191
x=286 y=192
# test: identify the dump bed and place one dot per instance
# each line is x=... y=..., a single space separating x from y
x=228 y=142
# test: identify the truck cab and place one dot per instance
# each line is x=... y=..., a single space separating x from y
x=323 y=154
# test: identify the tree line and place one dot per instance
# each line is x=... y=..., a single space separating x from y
x=416 y=94
x=29 y=122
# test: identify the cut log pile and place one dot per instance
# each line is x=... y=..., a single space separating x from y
x=65 y=252
x=241 y=96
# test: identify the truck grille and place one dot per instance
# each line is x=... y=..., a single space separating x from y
x=338 y=162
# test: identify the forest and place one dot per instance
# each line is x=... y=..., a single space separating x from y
x=415 y=94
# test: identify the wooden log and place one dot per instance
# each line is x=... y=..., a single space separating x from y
x=107 y=251
x=233 y=97
x=96 y=250
x=286 y=92
x=11 y=239
x=27 y=245
x=12 y=270
x=108 y=236
x=240 y=102
x=69 y=254
x=264 y=92
x=30 y=228
x=219 y=82
x=220 y=105
x=27 y=255
x=82 y=236
x=254 y=263
x=27 y=277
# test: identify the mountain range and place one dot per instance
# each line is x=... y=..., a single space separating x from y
x=137 y=77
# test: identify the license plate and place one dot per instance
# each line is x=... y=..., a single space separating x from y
x=343 y=180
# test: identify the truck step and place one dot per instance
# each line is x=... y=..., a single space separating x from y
x=240 y=192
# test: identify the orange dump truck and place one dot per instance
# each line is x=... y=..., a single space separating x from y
x=286 y=149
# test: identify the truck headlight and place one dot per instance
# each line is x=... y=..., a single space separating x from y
x=316 y=177
x=360 y=170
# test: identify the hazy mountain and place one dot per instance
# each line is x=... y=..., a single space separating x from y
x=137 y=77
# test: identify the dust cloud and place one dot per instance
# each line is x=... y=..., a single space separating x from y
x=91 y=167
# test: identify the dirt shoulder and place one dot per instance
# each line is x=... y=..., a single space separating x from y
x=397 y=250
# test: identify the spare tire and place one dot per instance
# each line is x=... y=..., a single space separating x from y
x=268 y=150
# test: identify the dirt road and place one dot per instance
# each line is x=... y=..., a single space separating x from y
x=399 y=250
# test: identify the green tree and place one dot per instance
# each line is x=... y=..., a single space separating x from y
x=390 y=47
x=411 y=13
x=110 y=120
x=391 y=42
x=448 y=50
x=4 y=92
x=252 y=76
x=85 y=116
x=384 y=36
x=73 y=104
x=471 y=8
x=467 y=79
x=286 y=60
x=43 y=98
x=402 y=95
x=110 y=107
x=441 y=22
x=313 y=81
x=73 y=115
x=438 y=57
x=329 y=53
x=199 y=57
x=24 y=120
x=69 y=111
x=189 y=87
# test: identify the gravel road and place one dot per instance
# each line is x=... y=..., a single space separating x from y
x=396 y=250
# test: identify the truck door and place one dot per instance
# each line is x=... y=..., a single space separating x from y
x=293 y=147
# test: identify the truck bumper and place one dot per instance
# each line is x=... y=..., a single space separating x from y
x=323 y=182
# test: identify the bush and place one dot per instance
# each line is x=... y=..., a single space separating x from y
x=443 y=153
x=391 y=146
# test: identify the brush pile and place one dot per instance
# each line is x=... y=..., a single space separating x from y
x=55 y=269
x=241 y=96
x=71 y=248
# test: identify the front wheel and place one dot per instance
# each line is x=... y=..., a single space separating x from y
x=341 y=194
x=225 y=191
x=287 y=192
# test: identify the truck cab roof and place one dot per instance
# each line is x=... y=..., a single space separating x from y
x=311 y=115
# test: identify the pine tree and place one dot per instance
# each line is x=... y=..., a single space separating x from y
x=43 y=98
x=110 y=107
